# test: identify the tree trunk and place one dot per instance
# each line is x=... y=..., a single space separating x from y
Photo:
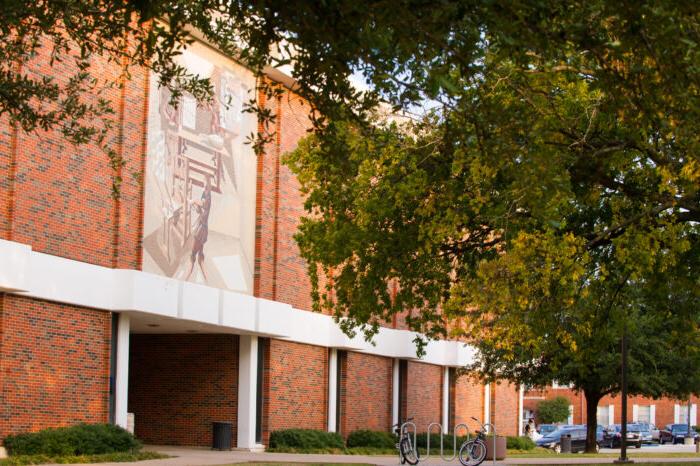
x=592 y=399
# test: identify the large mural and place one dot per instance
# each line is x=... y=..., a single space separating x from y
x=199 y=213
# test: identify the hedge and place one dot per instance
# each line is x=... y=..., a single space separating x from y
x=520 y=443
x=371 y=438
x=81 y=439
x=305 y=438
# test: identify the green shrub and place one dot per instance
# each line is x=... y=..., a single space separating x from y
x=554 y=410
x=81 y=439
x=371 y=438
x=305 y=438
x=520 y=443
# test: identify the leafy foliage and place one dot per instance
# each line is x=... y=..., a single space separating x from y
x=546 y=205
x=305 y=438
x=553 y=410
x=81 y=439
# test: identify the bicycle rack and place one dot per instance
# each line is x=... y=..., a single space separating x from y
x=488 y=427
x=492 y=427
x=454 y=441
x=415 y=432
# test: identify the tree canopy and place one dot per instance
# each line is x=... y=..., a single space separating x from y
x=538 y=197
x=553 y=410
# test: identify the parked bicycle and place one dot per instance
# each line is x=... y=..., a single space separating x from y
x=408 y=452
x=473 y=451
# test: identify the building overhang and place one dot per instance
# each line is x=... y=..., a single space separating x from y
x=172 y=306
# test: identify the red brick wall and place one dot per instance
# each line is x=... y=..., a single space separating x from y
x=365 y=400
x=296 y=387
x=280 y=273
x=57 y=198
x=424 y=394
x=6 y=175
x=504 y=408
x=54 y=364
x=468 y=402
x=180 y=384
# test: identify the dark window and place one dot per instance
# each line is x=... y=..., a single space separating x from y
x=339 y=375
x=451 y=407
x=403 y=384
x=259 y=391
x=113 y=367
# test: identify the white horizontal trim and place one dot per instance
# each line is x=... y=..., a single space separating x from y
x=68 y=281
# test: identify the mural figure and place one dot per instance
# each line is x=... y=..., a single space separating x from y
x=200 y=192
x=201 y=230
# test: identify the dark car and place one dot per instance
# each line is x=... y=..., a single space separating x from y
x=612 y=437
x=675 y=433
x=553 y=439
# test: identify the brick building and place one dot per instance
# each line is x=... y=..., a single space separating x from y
x=639 y=409
x=185 y=300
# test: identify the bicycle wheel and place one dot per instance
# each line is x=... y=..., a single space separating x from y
x=472 y=453
x=402 y=458
x=410 y=455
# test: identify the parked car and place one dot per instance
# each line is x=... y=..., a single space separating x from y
x=578 y=439
x=675 y=433
x=644 y=432
x=545 y=429
x=612 y=437
x=652 y=429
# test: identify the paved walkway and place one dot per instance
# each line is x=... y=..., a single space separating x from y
x=187 y=456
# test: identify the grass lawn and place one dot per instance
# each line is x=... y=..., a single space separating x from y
x=20 y=460
x=543 y=453
x=690 y=463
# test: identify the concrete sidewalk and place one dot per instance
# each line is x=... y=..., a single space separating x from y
x=189 y=456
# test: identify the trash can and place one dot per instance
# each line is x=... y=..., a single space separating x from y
x=566 y=443
x=221 y=439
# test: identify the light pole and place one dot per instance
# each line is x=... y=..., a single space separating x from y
x=623 y=382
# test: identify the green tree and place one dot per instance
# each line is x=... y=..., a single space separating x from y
x=547 y=203
x=548 y=206
x=553 y=410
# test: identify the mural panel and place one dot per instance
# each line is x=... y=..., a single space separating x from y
x=199 y=214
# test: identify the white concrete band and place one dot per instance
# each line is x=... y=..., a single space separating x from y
x=445 y=400
x=521 y=410
x=487 y=403
x=121 y=382
x=67 y=281
x=247 y=391
x=395 y=385
x=332 y=388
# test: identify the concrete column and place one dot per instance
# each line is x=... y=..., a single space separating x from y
x=487 y=403
x=521 y=410
x=332 y=389
x=611 y=414
x=676 y=414
x=395 y=393
x=121 y=383
x=445 y=399
x=247 y=390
